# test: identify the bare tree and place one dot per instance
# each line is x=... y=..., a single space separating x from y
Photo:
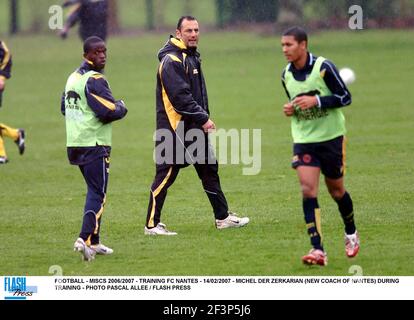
x=113 y=22
x=36 y=15
x=14 y=18
x=188 y=7
x=159 y=12
x=149 y=5
x=290 y=12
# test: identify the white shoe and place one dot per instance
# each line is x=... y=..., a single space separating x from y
x=102 y=249
x=352 y=244
x=160 y=229
x=232 y=221
x=88 y=254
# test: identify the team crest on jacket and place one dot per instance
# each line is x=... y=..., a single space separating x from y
x=195 y=71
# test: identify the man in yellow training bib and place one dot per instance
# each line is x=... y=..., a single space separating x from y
x=316 y=95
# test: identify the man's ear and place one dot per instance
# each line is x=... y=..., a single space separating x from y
x=304 y=45
x=177 y=34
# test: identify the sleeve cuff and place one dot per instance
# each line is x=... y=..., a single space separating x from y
x=203 y=120
x=319 y=105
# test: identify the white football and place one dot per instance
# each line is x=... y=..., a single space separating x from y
x=347 y=75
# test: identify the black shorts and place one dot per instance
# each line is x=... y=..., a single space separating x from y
x=328 y=155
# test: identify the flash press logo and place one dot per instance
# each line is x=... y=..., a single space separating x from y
x=16 y=288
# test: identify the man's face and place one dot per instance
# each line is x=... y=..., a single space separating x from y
x=188 y=33
x=292 y=49
x=97 y=55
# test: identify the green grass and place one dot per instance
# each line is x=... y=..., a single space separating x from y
x=42 y=195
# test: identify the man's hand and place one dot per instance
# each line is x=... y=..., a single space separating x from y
x=2 y=83
x=64 y=32
x=305 y=102
x=120 y=105
x=288 y=109
x=209 y=126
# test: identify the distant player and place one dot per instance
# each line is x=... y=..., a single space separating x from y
x=316 y=94
x=92 y=16
x=89 y=109
x=18 y=135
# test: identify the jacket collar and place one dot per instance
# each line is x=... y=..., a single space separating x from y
x=87 y=66
x=181 y=45
x=178 y=43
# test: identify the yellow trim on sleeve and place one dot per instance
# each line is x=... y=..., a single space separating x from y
x=173 y=116
x=104 y=102
x=97 y=76
x=175 y=58
x=73 y=9
x=6 y=57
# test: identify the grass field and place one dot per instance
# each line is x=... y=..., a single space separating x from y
x=42 y=196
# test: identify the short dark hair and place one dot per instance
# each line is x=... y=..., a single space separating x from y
x=297 y=32
x=89 y=42
x=180 y=21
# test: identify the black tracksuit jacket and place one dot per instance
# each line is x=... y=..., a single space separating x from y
x=181 y=94
x=181 y=90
